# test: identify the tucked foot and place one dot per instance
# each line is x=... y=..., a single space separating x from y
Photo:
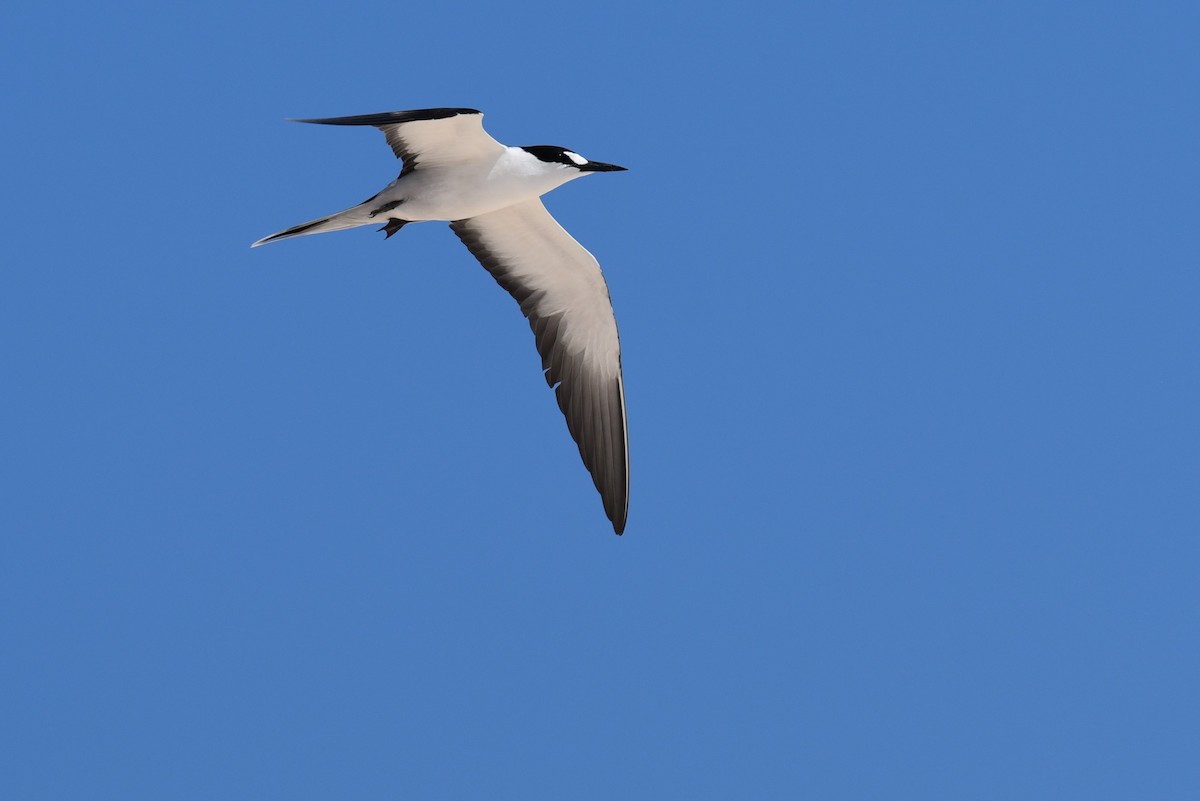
x=393 y=226
x=386 y=207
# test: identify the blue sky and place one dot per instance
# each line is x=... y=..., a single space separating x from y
x=907 y=295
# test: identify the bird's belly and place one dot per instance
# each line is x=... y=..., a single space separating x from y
x=450 y=196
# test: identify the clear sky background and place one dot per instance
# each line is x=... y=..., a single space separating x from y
x=908 y=298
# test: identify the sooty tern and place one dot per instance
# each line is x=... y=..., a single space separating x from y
x=489 y=193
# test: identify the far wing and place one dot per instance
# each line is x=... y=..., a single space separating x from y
x=562 y=291
x=428 y=136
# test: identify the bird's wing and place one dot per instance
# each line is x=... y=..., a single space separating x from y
x=428 y=136
x=562 y=291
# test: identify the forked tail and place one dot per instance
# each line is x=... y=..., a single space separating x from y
x=350 y=218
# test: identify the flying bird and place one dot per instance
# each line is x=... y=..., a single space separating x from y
x=489 y=193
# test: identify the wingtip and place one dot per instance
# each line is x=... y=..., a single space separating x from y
x=618 y=519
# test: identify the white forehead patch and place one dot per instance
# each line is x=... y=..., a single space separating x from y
x=575 y=157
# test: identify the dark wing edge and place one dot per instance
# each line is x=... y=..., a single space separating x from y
x=392 y=117
x=593 y=405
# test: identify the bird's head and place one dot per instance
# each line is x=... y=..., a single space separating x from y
x=568 y=159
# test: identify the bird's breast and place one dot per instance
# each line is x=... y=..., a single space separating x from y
x=461 y=191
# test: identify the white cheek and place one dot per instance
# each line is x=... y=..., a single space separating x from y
x=575 y=157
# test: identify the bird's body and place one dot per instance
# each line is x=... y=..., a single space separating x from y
x=459 y=191
x=454 y=171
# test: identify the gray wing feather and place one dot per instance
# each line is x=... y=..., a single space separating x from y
x=426 y=135
x=561 y=290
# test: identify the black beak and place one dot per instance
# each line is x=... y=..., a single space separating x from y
x=600 y=166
